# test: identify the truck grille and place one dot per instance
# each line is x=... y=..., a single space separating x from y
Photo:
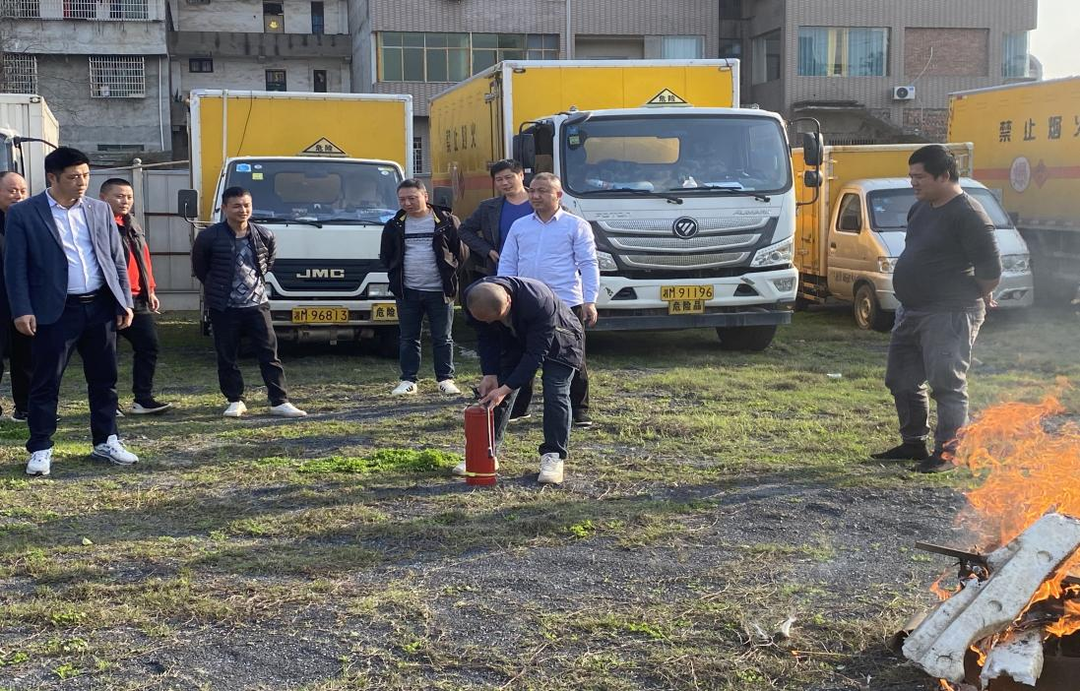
x=660 y=226
x=323 y=275
x=674 y=244
x=682 y=261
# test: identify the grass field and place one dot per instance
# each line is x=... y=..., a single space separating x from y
x=719 y=495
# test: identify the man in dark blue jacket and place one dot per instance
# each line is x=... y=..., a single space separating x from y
x=523 y=327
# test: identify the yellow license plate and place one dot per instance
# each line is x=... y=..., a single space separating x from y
x=672 y=293
x=320 y=315
x=686 y=307
x=384 y=312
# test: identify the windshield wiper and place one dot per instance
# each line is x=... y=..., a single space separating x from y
x=723 y=188
x=641 y=193
x=286 y=221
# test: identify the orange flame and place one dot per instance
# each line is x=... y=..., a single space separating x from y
x=945 y=686
x=1026 y=472
x=937 y=589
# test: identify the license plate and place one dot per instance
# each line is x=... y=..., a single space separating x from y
x=686 y=307
x=384 y=312
x=672 y=293
x=320 y=315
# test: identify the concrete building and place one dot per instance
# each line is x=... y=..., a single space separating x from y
x=876 y=70
x=424 y=47
x=249 y=44
x=100 y=64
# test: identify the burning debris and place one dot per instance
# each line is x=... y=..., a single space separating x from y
x=1016 y=609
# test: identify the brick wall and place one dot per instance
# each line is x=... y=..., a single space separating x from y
x=946 y=52
x=931 y=123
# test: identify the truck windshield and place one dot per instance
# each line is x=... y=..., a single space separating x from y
x=7 y=154
x=321 y=190
x=707 y=155
x=889 y=208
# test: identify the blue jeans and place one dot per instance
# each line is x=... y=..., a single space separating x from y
x=556 y=378
x=411 y=308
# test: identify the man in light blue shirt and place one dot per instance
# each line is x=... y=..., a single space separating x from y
x=558 y=249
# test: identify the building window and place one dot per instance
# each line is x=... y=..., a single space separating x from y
x=128 y=10
x=318 y=81
x=682 y=47
x=730 y=9
x=201 y=65
x=418 y=155
x=766 y=56
x=117 y=76
x=80 y=9
x=1015 y=62
x=274 y=17
x=18 y=74
x=838 y=52
x=275 y=80
x=20 y=9
x=443 y=57
x=318 y=18
x=730 y=48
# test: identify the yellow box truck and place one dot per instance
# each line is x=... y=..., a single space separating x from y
x=690 y=197
x=1027 y=149
x=848 y=241
x=323 y=171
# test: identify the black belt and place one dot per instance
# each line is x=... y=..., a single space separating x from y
x=83 y=298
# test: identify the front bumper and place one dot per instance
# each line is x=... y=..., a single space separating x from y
x=1015 y=291
x=759 y=298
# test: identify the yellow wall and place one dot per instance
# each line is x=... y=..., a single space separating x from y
x=1011 y=126
x=275 y=126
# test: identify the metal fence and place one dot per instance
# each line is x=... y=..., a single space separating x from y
x=168 y=235
x=92 y=10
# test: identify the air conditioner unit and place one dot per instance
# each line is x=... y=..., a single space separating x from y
x=903 y=93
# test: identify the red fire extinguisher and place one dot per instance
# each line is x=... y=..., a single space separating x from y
x=479 y=445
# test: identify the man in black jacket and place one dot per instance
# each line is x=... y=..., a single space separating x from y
x=13 y=345
x=231 y=260
x=522 y=327
x=422 y=252
x=486 y=229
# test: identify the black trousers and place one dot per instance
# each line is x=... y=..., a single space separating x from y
x=15 y=347
x=142 y=335
x=229 y=326
x=90 y=328
x=579 y=387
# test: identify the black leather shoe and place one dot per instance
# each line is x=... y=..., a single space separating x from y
x=908 y=451
x=936 y=464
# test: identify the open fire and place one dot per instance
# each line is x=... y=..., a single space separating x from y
x=1014 y=603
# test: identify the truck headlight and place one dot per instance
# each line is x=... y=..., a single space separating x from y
x=378 y=290
x=886 y=265
x=778 y=253
x=606 y=262
x=1015 y=264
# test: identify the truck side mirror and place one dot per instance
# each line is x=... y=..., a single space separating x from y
x=187 y=205
x=811 y=178
x=525 y=150
x=811 y=148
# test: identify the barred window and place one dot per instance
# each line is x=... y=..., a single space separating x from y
x=114 y=10
x=418 y=155
x=117 y=76
x=18 y=74
x=129 y=9
x=20 y=9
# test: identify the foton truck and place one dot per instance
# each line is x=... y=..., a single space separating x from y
x=1027 y=149
x=847 y=243
x=690 y=197
x=323 y=171
x=28 y=132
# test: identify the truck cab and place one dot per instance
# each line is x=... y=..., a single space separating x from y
x=692 y=210
x=865 y=236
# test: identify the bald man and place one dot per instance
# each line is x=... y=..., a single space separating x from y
x=13 y=345
x=522 y=327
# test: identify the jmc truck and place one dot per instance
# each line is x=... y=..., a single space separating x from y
x=690 y=197
x=323 y=171
x=1027 y=149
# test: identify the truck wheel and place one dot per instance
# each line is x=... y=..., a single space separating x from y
x=868 y=312
x=752 y=338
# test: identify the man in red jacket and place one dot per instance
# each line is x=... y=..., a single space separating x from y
x=142 y=334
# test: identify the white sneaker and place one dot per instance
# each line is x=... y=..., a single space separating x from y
x=551 y=469
x=460 y=470
x=287 y=409
x=448 y=387
x=235 y=409
x=40 y=463
x=113 y=451
x=404 y=388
